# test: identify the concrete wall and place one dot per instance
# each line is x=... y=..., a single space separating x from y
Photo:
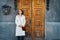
x=52 y=26
x=7 y=25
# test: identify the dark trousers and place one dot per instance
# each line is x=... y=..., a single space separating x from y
x=20 y=37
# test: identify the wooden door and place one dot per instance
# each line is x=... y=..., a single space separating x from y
x=34 y=10
x=38 y=19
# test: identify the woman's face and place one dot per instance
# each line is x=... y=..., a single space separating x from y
x=20 y=12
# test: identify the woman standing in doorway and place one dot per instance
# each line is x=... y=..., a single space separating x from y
x=20 y=22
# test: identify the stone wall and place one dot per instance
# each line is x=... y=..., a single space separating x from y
x=52 y=27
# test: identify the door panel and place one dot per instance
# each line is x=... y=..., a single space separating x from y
x=25 y=5
x=38 y=19
x=34 y=10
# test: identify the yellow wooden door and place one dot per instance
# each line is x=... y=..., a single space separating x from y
x=34 y=10
x=38 y=19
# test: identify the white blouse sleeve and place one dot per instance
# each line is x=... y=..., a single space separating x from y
x=24 y=21
x=16 y=20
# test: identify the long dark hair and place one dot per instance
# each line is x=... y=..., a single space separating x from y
x=21 y=10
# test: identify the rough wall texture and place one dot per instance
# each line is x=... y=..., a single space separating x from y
x=7 y=25
x=52 y=26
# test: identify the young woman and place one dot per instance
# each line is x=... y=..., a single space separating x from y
x=20 y=22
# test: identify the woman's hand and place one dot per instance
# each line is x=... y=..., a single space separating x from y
x=20 y=26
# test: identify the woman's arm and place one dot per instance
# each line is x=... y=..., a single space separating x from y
x=16 y=20
x=24 y=21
